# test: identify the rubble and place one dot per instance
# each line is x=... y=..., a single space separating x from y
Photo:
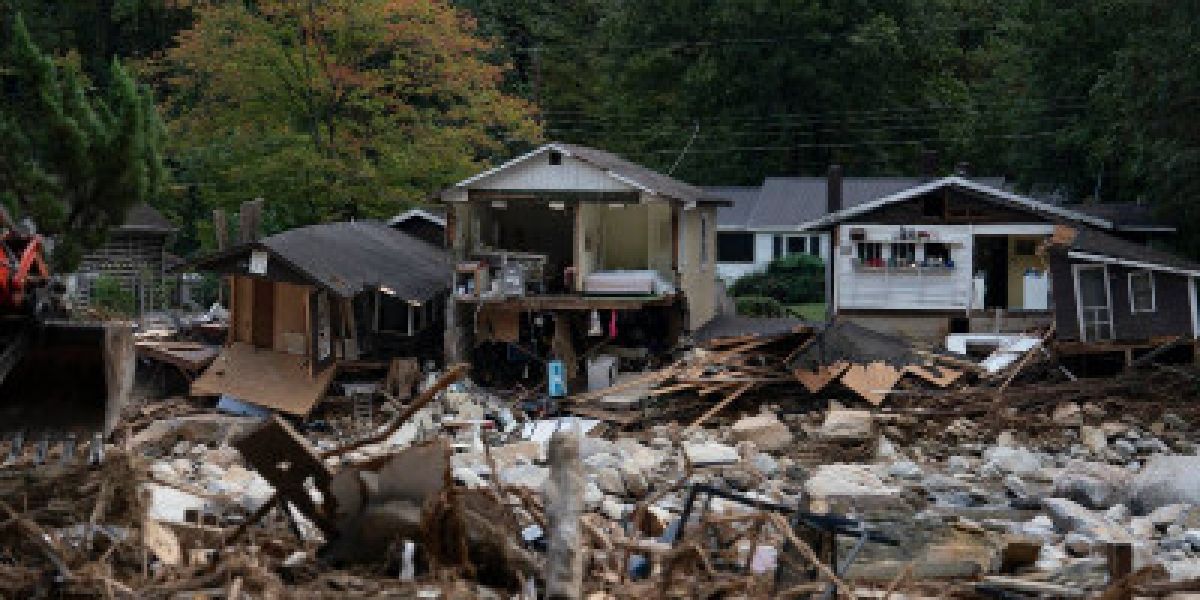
x=725 y=476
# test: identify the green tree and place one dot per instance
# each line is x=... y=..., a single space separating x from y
x=72 y=159
x=337 y=109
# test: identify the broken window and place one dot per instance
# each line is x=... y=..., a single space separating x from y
x=735 y=247
x=1141 y=292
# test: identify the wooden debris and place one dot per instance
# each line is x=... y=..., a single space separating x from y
x=871 y=382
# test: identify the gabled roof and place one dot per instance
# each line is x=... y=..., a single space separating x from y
x=143 y=217
x=785 y=203
x=964 y=185
x=1125 y=216
x=627 y=172
x=433 y=214
x=349 y=257
x=1088 y=244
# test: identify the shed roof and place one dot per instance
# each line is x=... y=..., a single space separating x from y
x=349 y=257
x=143 y=217
x=1090 y=244
x=620 y=168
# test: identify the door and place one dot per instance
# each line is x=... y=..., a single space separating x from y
x=262 y=324
x=1094 y=301
x=991 y=257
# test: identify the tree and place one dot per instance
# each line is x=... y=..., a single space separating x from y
x=335 y=109
x=71 y=159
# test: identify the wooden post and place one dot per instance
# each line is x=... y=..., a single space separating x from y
x=564 y=505
x=1120 y=565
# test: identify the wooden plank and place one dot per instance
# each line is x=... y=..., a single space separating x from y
x=871 y=382
x=720 y=406
x=815 y=381
x=939 y=376
x=274 y=380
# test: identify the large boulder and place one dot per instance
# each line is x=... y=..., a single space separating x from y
x=766 y=431
x=1166 y=479
x=1094 y=439
x=1094 y=485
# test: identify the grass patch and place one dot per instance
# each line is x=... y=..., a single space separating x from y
x=813 y=311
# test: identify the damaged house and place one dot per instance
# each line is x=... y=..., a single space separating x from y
x=310 y=300
x=958 y=256
x=567 y=244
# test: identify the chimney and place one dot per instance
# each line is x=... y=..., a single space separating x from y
x=928 y=166
x=963 y=169
x=833 y=189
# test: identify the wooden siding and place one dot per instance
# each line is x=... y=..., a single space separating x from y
x=960 y=209
x=1171 y=316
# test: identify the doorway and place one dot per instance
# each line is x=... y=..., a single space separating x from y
x=991 y=257
x=262 y=325
x=1094 y=301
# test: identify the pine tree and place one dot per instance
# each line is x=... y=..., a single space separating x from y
x=73 y=159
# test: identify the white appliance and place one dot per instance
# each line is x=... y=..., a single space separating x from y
x=1036 y=291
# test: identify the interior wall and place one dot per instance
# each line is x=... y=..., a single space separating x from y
x=589 y=240
x=291 y=318
x=626 y=237
x=698 y=278
x=1017 y=265
x=661 y=252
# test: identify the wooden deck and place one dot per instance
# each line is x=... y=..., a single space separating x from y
x=271 y=379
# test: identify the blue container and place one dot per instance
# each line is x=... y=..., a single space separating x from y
x=556 y=380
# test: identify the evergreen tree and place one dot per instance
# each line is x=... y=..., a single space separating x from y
x=72 y=159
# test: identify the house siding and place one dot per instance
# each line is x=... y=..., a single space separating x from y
x=1172 y=307
x=961 y=209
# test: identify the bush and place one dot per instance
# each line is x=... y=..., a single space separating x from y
x=108 y=295
x=759 y=306
x=795 y=279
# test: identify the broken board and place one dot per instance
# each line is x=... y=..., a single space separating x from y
x=939 y=376
x=815 y=381
x=274 y=380
x=872 y=382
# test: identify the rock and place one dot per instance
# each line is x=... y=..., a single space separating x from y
x=848 y=425
x=767 y=432
x=1069 y=516
x=1166 y=515
x=519 y=452
x=1050 y=558
x=958 y=464
x=765 y=464
x=223 y=456
x=1123 y=449
x=1006 y=439
x=599 y=461
x=633 y=480
x=1117 y=513
x=1094 y=485
x=181 y=448
x=709 y=453
x=1114 y=428
x=1093 y=439
x=639 y=456
x=1003 y=459
x=1141 y=527
x=886 y=449
x=211 y=470
x=183 y=467
x=608 y=479
x=164 y=470
x=905 y=469
x=1067 y=413
x=1021 y=495
x=1040 y=526
x=532 y=477
x=845 y=480
x=1077 y=544
x=612 y=509
x=592 y=496
x=1166 y=479
x=1151 y=445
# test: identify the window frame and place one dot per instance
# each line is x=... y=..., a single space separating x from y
x=1133 y=308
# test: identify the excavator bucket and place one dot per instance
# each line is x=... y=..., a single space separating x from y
x=64 y=376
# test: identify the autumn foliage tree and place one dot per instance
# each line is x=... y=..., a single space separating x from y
x=336 y=108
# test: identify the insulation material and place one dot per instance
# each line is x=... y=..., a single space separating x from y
x=816 y=380
x=872 y=382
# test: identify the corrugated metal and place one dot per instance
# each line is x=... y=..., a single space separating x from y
x=348 y=257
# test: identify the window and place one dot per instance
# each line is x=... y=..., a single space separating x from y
x=776 y=247
x=904 y=255
x=555 y=158
x=786 y=245
x=937 y=255
x=796 y=245
x=1141 y=292
x=814 y=245
x=735 y=247
x=870 y=254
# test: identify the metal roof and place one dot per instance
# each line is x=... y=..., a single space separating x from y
x=1090 y=244
x=143 y=217
x=620 y=168
x=349 y=257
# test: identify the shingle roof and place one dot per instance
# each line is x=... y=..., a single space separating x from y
x=624 y=169
x=350 y=256
x=1091 y=241
x=143 y=217
x=785 y=202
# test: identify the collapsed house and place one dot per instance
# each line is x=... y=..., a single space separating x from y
x=305 y=302
x=135 y=256
x=568 y=243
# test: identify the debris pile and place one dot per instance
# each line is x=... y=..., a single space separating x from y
x=833 y=463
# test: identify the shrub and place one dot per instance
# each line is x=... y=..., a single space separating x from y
x=108 y=295
x=759 y=306
x=795 y=279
